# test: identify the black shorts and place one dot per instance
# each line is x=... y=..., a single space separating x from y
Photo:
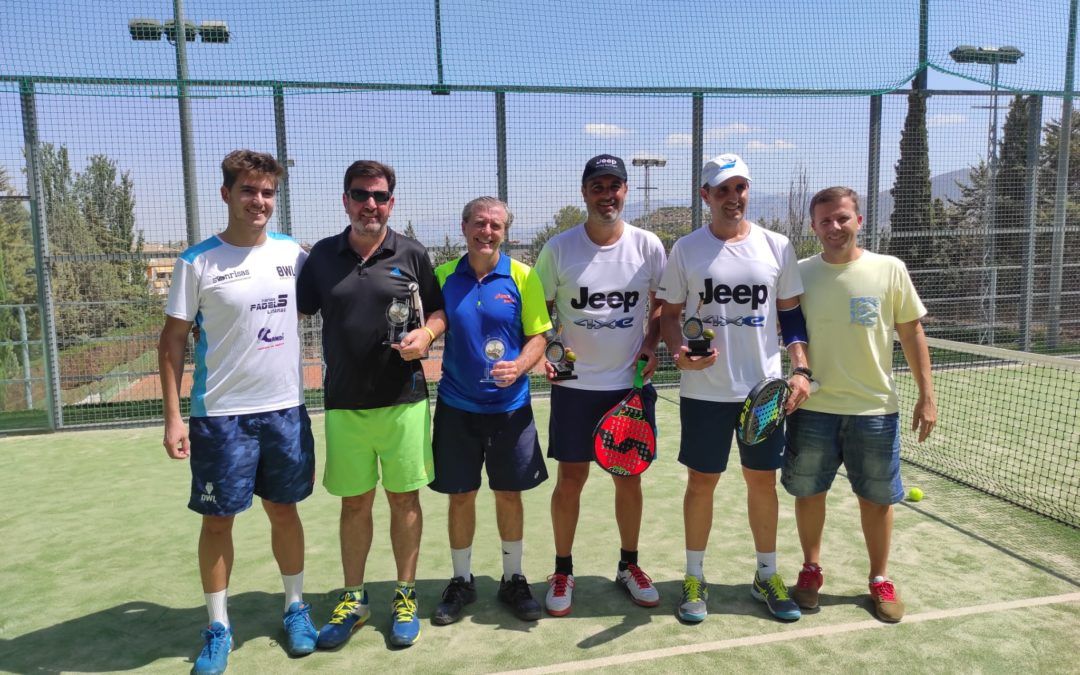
x=575 y=413
x=505 y=443
x=708 y=428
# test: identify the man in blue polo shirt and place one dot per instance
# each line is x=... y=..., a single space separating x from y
x=497 y=317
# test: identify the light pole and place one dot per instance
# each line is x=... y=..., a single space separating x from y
x=994 y=57
x=180 y=32
x=648 y=162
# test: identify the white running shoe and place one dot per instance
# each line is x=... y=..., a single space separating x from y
x=638 y=585
x=560 y=595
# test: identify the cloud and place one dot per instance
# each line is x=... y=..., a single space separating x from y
x=946 y=120
x=605 y=130
x=722 y=133
x=713 y=135
x=778 y=144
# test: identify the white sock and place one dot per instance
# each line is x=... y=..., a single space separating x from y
x=217 y=607
x=766 y=565
x=294 y=588
x=695 y=563
x=462 y=559
x=511 y=554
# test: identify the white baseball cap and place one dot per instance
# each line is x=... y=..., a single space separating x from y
x=720 y=168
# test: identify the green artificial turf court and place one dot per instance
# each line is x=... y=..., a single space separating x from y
x=99 y=574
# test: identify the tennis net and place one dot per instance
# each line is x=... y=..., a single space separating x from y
x=1007 y=425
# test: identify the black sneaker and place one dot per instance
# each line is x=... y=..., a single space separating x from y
x=518 y=595
x=457 y=594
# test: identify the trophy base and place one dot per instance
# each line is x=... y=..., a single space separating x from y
x=699 y=348
x=559 y=377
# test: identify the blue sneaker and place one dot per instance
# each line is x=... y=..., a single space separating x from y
x=774 y=594
x=406 y=624
x=351 y=613
x=214 y=657
x=300 y=633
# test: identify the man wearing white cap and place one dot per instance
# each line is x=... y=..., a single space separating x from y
x=743 y=281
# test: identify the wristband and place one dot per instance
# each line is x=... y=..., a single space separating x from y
x=805 y=372
x=429 y=332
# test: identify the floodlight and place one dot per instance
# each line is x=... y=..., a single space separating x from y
x=145 y=29
x=214 y=31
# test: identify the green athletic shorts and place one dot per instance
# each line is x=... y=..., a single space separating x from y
x=358 y=441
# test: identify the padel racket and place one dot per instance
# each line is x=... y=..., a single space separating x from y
x=624 y=443
x=763 y=410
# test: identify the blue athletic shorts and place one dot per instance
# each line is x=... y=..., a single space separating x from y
x=708 y=428
x=233 y=457
x=505 y=443
x=574 y=414
x=867 y=445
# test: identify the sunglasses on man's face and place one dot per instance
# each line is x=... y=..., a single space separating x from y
x=380 y=196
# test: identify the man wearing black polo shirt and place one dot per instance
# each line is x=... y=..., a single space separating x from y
x=376 y=396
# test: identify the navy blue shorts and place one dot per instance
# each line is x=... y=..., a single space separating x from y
x=708 y=428
x=575 y=413
x=233 y=457
x=505 y=443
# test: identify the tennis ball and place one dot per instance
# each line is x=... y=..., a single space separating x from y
x=571 y=356
x=915 y=495
x=708 y=334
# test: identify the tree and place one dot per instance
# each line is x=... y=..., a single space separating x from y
x=410 y=231
x=567 y=217
x=798 y=205
x=669 y=223
x=92 y=214
x=445 y=253
x=17 y=283
x=1010 y=186
x=912 y=218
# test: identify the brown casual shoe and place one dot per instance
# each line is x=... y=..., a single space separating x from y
x=887 y=603
x=805 y=592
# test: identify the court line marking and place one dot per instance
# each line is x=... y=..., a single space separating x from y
x=785 y=636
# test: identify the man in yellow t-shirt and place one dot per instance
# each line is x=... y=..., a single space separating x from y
x=853 y=299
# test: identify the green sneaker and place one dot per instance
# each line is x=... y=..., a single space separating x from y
x=774 y=594
x=695 y=594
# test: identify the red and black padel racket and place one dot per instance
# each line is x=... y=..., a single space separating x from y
x=624 y=443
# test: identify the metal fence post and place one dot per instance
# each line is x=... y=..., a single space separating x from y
x=42 y=260
x=285 y=215
x=873 y=172
x=24 y=337
x=1031 y=178
x=697 y=157
x=500 y=145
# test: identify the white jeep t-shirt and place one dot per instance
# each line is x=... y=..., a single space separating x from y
x=601 y=296
x=243 y=299
x=733 y=288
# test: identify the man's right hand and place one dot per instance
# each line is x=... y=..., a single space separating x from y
x=176 y=440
